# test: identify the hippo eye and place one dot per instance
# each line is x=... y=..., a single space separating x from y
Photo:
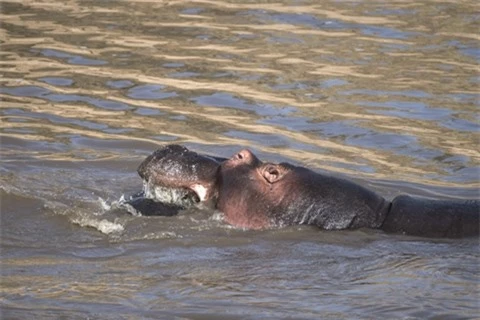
x=239 y=156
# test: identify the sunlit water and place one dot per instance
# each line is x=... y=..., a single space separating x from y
x=385 y=93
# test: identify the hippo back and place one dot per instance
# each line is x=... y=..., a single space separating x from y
x=433 y=218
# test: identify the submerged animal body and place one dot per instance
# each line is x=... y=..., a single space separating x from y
x=256 y=195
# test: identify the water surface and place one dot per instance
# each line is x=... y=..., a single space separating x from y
x=385 y=93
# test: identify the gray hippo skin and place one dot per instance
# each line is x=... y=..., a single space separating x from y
x=255 y=195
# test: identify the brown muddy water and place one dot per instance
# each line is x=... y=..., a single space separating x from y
x=384 y=92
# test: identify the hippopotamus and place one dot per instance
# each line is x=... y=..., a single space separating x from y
x=253 y=194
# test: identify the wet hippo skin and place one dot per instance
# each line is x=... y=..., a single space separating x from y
x=255 y=195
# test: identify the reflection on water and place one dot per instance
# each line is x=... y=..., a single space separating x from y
x=394 y=77
x=383 y=92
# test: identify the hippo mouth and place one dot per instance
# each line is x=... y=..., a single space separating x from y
x=177 y=176
x=182 y=197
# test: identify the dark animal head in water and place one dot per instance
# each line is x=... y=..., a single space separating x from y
x=254 y=194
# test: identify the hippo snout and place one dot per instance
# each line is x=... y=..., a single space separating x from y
x=174 y=167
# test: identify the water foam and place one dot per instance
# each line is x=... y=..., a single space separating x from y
x=121 y=203
x=105 y=205
x=178 y=196
x=104 y=226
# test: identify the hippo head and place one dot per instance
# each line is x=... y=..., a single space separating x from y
x=254 y=194
x=173 y=174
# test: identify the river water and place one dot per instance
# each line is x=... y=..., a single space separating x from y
x=383 y=92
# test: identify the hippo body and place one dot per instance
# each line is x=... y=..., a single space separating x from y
x=253 y=194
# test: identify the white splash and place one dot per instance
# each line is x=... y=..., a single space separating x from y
x=178 y=196
x=104 y=226
x=217 y=216
x=130 y=209
x=162 y=235
x=105 y=205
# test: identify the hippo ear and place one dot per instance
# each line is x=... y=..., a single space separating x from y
x=272 y=173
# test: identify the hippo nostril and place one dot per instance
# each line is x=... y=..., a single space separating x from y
x=243 y=157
